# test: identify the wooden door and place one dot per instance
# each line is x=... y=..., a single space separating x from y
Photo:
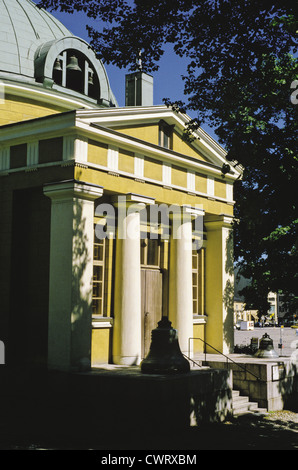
x=151 y=305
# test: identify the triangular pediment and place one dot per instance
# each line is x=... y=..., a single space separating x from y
x=141 y=123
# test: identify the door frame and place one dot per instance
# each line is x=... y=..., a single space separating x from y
x=151 y=303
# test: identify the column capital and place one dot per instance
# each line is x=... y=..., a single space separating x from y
x=193 y=211
x=72 y=188
x=218 y=221
x=132 y=198
x=185 y=213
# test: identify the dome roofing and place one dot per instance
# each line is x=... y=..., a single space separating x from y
x=23 y=27
x=36 y=48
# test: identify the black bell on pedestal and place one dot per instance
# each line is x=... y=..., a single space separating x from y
x=266 y=348
x=165 y=356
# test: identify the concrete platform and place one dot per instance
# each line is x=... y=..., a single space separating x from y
x=117 y=407
x=271 y=382
x=113 y=398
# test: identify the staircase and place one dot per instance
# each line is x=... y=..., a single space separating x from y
x=242 y=405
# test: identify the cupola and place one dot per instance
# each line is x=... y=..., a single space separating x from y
x=37 y=49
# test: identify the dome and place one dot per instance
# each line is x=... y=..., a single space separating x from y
x=36 y=48
x=23 y=28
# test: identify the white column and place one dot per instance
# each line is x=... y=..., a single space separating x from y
x=71 y=273
x=180 y=278
x=127 y=305
x=219 y=278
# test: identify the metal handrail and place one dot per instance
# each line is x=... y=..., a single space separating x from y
x=227 y=357
x=191 y=360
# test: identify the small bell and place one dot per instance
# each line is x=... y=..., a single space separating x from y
x=266 y=348
x=165 y=356
x=57 y=66
x=73 y=65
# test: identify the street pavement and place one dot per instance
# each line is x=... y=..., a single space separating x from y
x=287 y=337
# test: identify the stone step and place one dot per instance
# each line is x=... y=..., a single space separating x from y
x=241 y=405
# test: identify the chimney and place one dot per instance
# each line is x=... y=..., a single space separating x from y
x=138 y=89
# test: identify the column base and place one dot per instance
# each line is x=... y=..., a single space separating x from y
x=127 y=361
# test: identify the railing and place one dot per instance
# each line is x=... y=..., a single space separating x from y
x=219 y=352
x=191 y=360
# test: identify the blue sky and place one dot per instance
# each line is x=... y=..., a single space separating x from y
x=167 y=81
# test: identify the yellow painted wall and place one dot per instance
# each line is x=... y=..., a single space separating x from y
x=201 y=183
x=152 y=169
x=126 y=161
x=148 y=133
x=220 y=188
x=97 y=152
x=124 y=185
x=214 y=291
x=179 y=176
x=198 y=332
x=100 y=346
x=16 y=109
x=186 y=149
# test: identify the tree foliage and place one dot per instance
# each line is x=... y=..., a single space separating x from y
x=242 y=63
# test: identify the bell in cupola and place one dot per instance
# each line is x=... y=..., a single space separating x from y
x=73 y=65
x=57 y=66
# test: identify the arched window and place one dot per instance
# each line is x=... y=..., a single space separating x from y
x=73 y=70
x=70 y=65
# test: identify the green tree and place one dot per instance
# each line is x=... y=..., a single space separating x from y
x=241 y=68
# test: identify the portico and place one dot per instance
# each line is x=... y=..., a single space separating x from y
x=122 y=220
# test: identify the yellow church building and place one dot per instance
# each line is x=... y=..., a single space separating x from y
x=109 y=219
